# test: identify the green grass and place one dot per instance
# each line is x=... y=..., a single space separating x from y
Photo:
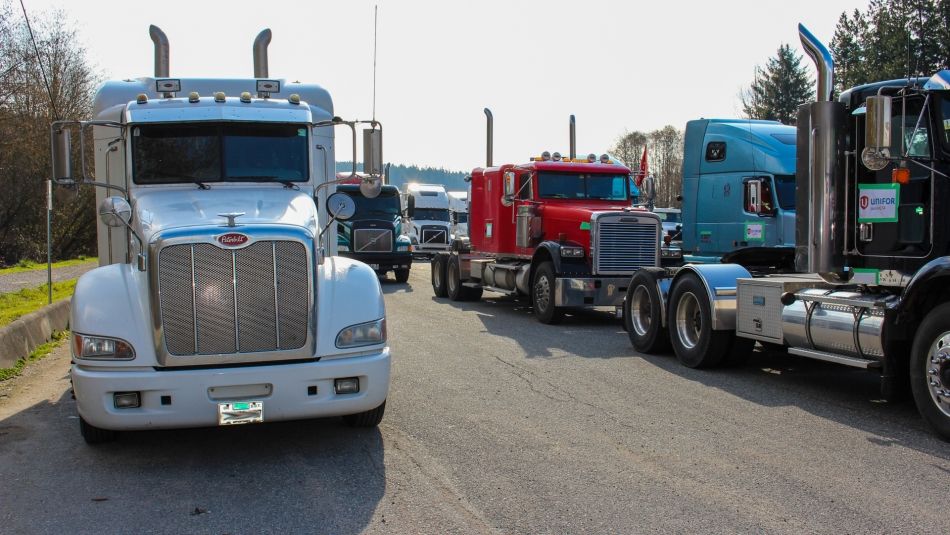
x=37 y=354
x=29 y=265
x=17 y=304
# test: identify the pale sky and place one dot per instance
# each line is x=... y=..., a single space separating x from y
x=617 y=66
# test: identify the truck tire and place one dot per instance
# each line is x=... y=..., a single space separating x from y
x=690 y=322
x=402 y=275
x=453 y=283
x=370 y=418
x=438 y=275
x=642 y=314
x=542 y=295
x=94 y=435
x=930 y=370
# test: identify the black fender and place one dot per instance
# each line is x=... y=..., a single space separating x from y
x=929 y=287
x=551 y=250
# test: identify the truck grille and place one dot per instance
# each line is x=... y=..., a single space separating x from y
x=433 y=235
x=224 y=301
x=622 y=246
x=372 y=240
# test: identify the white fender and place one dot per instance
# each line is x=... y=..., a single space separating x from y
x=348 y=294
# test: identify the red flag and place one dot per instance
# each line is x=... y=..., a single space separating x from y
x=644 y=168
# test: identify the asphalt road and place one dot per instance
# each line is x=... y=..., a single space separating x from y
x=496 y=423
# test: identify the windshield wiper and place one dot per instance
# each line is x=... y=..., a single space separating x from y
x=194 y=180
x=287 y=183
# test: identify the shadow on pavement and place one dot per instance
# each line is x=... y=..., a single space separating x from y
x=286 y=477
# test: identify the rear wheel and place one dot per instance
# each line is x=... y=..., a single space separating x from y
x=370 y=418
x=402 y=275
x=930 y=370
x=542 y=295
x=694 y=341
x=453 y=282
x=642 y=314
x=438 y=275
x=95 y=435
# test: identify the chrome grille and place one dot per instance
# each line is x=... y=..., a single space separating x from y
x=622 y=247
x=216 y=301
x=434 y=235
x=371 y=240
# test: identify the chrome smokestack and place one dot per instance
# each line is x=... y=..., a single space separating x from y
x=823 y=62
x=491 y=127
x=260 y=53
x=573 y=138
x=818 y=171
x=161 y=51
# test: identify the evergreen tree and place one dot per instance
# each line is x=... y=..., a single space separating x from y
x=778 y=89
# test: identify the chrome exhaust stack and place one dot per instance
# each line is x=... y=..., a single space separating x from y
x=820 y=191
x=161 y=51
x=491 y=127
x=573 y=138
x=260 y=53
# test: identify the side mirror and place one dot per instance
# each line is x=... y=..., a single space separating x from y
x=341 y=206
x=649 y=188
x=61 y=150
x=877 y=133
x=753 y=196
x=410 y=206
x=508 y=187
x=373 y=151
x=115 y=212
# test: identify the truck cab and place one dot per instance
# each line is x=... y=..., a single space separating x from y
x=430 y=227
x=219 y=300
x=458 y=211
x=374 y=235
x=738 y=187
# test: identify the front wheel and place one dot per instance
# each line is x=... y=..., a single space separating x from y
x=694 y=341
x=402 y=275
x=95 y=435
x=542 y=295
x=370 y=418
x=930 y=370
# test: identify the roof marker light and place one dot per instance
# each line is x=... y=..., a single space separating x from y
x=545 y=156
x=246 y=97
x=142 y=98
x=193 y=96
x=591 y=158
x=556 y=156
x=604 y=158
x=219 y=96
x=294 y=98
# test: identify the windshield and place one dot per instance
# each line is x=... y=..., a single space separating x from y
x=582 y=186
x=668 y=217
x=215 y=152
x=431 y=214
x=785 y=191
x=462 y=217
x=384 y=207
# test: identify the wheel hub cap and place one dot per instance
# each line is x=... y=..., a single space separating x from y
x=542 y=293
x=689 y=320
x=938 y=372
x=640 y=306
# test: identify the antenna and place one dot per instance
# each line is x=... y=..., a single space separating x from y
x=375 y=24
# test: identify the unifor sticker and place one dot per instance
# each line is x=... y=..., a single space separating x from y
x=705 y=236
x=877 y=203
x=754 y=231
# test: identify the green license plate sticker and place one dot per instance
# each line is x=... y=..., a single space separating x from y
x=754 y=231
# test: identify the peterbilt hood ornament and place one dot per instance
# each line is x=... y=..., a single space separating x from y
x=231 y=216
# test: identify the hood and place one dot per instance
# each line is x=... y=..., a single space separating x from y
x=580 y=213
x=157 y=210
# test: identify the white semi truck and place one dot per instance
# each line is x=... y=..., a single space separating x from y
x=431 y=227
x=219 y=299
x=458 y=213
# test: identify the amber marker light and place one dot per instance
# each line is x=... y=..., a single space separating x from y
x=900 y=175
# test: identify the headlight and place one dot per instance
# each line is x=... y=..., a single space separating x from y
x=343 y=248
x=572 y=252
x=99 y=348
x=363 y=334
x=403 y=247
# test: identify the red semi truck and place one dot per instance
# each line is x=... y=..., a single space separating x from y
x=561 y=231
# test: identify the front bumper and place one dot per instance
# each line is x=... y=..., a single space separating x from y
x=384 y=261
x=590 y=291
x=431 y=247
x=194 y=395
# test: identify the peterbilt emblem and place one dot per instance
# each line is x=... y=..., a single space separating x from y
x=233 y=239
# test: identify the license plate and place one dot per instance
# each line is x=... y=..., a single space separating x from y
x=240 y=412
x=374 y=266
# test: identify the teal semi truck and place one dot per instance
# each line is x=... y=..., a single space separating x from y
x=738 y=196
x=374 y=234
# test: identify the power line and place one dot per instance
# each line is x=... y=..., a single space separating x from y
x=39 y=62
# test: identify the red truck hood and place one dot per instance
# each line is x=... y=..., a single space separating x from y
x=580 y=213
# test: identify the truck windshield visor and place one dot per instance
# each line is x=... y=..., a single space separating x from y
x=216 y=152
x=385 y=207
x=431 y=214
x=558 y=185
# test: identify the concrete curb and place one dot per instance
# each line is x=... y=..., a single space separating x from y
x=20 y=338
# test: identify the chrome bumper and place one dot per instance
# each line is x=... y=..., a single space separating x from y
x=590 y=291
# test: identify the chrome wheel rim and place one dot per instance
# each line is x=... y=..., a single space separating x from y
x=452 y=281
x=689 y=320
x=542 y=293
x=937 y=373
x=437 y=276
x=640 y=306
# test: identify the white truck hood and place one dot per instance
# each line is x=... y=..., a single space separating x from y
x=157 y=210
